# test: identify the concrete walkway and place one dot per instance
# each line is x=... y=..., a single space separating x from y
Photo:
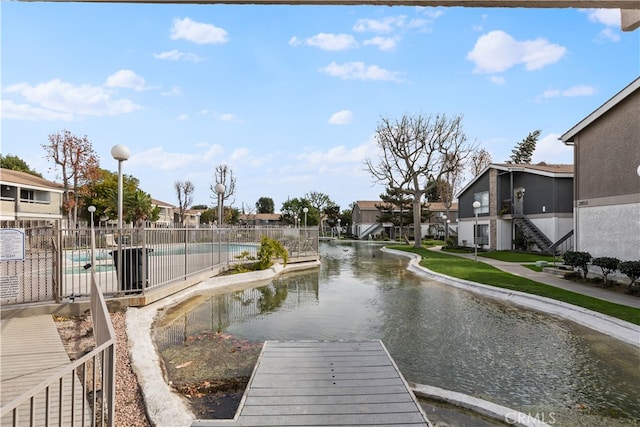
x=549 y=279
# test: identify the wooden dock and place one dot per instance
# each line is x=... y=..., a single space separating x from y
x=320 y=383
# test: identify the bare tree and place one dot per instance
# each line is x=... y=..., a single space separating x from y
x=452 y=177
x=78 y=164
x=184 y=191
x=223 y=174
x=480 y=159
x=415 y=152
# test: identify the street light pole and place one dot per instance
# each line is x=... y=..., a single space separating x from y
x=120 y=153
x=91 y=210
x=305 y=210
x=444 y=223
x=476 y=206
x=220 y=189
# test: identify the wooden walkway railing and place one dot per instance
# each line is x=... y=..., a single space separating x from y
x=42 y=387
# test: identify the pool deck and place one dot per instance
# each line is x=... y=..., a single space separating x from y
x=322 y=383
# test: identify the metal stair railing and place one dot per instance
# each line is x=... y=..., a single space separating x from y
x=370 y=230
x=531 y=231
x=560 y=244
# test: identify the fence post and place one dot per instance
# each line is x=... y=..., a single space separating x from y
x=144 y=256
x=186 y=258
x=57 y=260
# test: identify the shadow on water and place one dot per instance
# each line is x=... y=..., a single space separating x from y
x=437 y=335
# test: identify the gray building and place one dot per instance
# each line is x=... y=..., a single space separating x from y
x=606 y=149
x=522 y=206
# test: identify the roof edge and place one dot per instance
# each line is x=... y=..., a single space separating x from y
x=568 y=136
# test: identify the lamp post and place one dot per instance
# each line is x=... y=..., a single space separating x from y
x=295 y=220
x=220 y=188
x=91 y=210
x=444 y=224
x=339 y=228
x=446 y=232
x=476 y=206
x=120 y=153
x=305 y=210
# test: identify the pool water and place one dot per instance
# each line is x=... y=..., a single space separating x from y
x=438 y=335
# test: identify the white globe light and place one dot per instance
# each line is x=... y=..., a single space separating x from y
x=219 y=188
x=120 y=152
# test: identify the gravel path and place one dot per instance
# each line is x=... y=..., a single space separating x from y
x=130 y=408
x=77 y=336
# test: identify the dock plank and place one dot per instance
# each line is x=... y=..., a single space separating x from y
x=323 y=383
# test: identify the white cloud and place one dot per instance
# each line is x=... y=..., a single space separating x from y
x=497 y=51
x=360 y=71
x=197 y=32
x=385 y=25
x=176 y=55
x=608 y=17
x=11 y=110
x=389 y=24
x=609 y=34
x=550 y=150
x=64 y=98
x=431 y=12
x=497 y=80
x=611 y=18
x=126 y=79
x=343 y=117
x=384 y=43
x=243 y=158
x=339 y=154
x=227 y=117
x=182 y=117
x=175 y=91
x=583 y=90
x=158 y=158
x=325 y=41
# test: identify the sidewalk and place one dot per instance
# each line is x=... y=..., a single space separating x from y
x=549 y=279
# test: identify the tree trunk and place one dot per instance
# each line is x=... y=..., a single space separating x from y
x=417 y=220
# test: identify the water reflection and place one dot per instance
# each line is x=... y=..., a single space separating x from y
x=438 y=335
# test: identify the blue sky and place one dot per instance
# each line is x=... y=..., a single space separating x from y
x=289 y=96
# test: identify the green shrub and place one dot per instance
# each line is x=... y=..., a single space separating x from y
x=608 y=265
x=578 y=260
x=270 y=248
x=631 y=269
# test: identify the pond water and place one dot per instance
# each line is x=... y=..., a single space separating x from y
x=438 y=335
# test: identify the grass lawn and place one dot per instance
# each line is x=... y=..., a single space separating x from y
x=480 y=272
x=511 y=256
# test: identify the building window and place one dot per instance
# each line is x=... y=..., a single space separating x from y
x=34 y=196
x=483 y=198
x=8 y=193
x=482 y=234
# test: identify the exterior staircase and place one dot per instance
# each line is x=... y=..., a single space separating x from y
x=535 y=235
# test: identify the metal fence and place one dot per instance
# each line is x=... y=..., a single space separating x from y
x=79 y=394
x=59 y=263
